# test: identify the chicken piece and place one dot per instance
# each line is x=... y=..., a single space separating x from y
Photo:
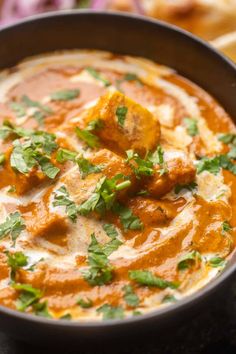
x=126 y=124
x=111 y=165
x=180 y=170
x=152 y=212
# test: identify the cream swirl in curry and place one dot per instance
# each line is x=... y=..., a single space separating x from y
x=117 y=186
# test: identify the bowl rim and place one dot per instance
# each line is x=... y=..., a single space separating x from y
x=189 y=300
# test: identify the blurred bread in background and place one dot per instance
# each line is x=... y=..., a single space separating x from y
x=206 y=18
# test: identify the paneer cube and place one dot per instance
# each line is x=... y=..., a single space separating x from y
x=126 y=124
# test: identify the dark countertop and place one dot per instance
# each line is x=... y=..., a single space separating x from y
x=213 y=331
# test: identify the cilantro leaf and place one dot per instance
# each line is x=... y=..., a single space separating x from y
x=95 y=124
x=87 y=167
x=65 y=95
x=67 y=317
x=168 y=298
x=157 y=158
x=139 y=166
x=85 y=303
x=28 y=296
x=121 y=113
x=30 y=103
x=15 y=261
x=190 y=187
x=47 y=167
x=214 y=164
x=104 y=195
x=217 y=262
x=89 y=138
x=110 y=312
x=30 y=153
x=64 y=155
x=110 y=230
x=191 y=126
x=226 y=227
x=18 y=108
x=189 y=259
x=62 y=198
x=228 y=138
x=144 y=277
x=13 y=226
x=130 y=297
x=127 y=218
x=41 y=309
x=93 y=72
x=100 y=271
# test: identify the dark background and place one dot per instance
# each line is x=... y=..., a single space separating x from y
x=212 y=331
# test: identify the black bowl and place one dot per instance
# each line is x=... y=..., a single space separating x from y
x=131 y=35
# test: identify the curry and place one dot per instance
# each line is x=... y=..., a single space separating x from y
x=117 y=186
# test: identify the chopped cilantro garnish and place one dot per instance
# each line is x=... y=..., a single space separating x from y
x=30 y=103
x=62 y=198
x=13 y=226
x=66 y=317
x=189 y=259
x=100 y=271
x=226 y=227
x=121 y=113
x=157 y=158
x=232 y=153
x=28 y=296
x=104 y=195
x=65 y=95
x=32 y=152
x=15 y=261
x=115 y=243
x=144 y=277
x=2 y=158
x=191 y=126
x=85 y=303
x=110 y=312
x=87 y=167
x=228 y=138
x=64 y=155
x=128 y=77
x=41 y=309
x=214 y=164
x=95 y=124
x=137 y=313
x=110 y=230
x=89 y=138
x=18 y=108
x=217 y=262
x=190 y=187
x=168 y=298
x=98 y=76
x=130 y=297
x=139 y=166
x=127 y=218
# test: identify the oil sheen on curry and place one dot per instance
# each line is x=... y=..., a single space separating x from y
x=117 y=186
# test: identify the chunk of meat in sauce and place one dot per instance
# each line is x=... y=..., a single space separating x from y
x=42 y=223
x=180 y=171
x=152 y=212
x=126 y=124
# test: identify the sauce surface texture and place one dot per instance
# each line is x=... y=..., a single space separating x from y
x=117 y=186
